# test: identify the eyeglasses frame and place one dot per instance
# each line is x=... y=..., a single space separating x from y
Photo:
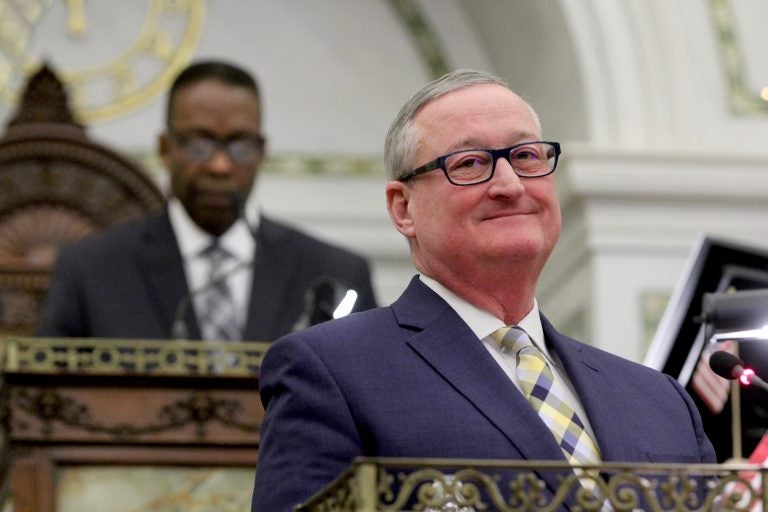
x=439 y=163
x=220 y=144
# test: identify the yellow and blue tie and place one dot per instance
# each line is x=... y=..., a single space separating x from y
x=546 y=394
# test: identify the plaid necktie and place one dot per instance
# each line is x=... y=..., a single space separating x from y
x=218 y=321
x=545 y=394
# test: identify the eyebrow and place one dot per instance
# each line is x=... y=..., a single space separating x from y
x=204 y=132
x=471 y=143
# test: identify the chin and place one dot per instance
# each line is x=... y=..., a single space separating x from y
x=521 y=249
x=215 y=224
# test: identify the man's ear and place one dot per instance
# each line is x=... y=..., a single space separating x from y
x=398 y=200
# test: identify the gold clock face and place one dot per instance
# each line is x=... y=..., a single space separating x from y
x=113 y=55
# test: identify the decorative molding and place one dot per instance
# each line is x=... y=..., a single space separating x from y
x=290 y=164
x=330 y=165
x=116 y=357
x=427 y=43
x=50 y=406
x=742 y=100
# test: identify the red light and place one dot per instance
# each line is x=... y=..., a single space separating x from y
x=746 y=376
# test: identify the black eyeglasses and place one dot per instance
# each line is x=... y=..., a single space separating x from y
x=474 y=166
x=199 y=148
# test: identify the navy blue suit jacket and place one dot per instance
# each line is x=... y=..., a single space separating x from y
x=412 y=380
x=127 y=282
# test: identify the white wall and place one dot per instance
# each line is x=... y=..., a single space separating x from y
x=658 y=148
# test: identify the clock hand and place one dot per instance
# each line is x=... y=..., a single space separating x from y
x=76 y=21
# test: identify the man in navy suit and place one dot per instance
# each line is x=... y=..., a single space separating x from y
x=135 y=280
x=471 y=188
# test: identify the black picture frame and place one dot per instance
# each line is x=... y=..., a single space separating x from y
x=715 y=265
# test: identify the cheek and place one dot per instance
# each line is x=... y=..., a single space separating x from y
x=440 y=222
x=558 y=218
x=182 y=177
x=444 y=213
x=554 y=205
x=552 y=218
x=247 y=178
x=422 y=215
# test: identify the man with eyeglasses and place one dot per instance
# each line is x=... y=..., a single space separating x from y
x=463 y=364
x=156 y=278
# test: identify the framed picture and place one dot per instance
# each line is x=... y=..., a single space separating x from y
x=714 y=266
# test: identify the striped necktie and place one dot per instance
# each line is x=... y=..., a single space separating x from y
x=218 y=320
x=546 y=394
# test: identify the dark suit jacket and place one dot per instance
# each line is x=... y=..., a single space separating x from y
x=128 y=282
x=412 y=380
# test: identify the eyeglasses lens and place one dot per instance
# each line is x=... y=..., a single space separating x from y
x=476 y=166
x=533 y=159
x=242 y=150
x=469 y=166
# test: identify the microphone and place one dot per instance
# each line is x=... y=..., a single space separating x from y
x=730 y=367
x=325 y=299
x=726 y=365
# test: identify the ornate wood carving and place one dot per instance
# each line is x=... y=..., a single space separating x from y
x=136 y=416
x=56 y=186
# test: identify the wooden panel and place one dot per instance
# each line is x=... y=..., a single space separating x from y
x=32 y=482
x=59 y=420
x=134 y=415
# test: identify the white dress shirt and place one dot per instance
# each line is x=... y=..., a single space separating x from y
x=238 y=242
x=484 y=324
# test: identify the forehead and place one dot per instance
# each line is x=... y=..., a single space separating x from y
x=480 y=115
x=210 y=103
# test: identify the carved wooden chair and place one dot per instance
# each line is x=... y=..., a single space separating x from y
x=56 y=186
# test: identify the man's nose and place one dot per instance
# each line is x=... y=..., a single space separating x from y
x=504 y=170
x=505 y=179
x=220 y=161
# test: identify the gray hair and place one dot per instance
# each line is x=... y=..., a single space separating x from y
x=401 y=141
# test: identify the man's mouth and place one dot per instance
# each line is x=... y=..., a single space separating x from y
x=505 y=214
x=215 y=199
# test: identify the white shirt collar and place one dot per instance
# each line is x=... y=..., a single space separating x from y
x=483 y=323
x=192 y=239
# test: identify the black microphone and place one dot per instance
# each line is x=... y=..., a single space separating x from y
x=326 y=298
x=730 y=367
x=726 y=365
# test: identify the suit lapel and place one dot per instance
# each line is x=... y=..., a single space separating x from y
x=448 y=345
x=272 y=269
x=590 y=380
x=459 y=357
x=160 y=264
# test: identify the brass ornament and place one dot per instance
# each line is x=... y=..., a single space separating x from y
x=461 y=485
x=92 y=356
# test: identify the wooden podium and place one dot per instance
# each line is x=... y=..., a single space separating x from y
x=114 y=403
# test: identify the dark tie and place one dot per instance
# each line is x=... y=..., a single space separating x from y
x=218 y=320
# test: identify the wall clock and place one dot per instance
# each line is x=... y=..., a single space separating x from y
x=114 y=56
